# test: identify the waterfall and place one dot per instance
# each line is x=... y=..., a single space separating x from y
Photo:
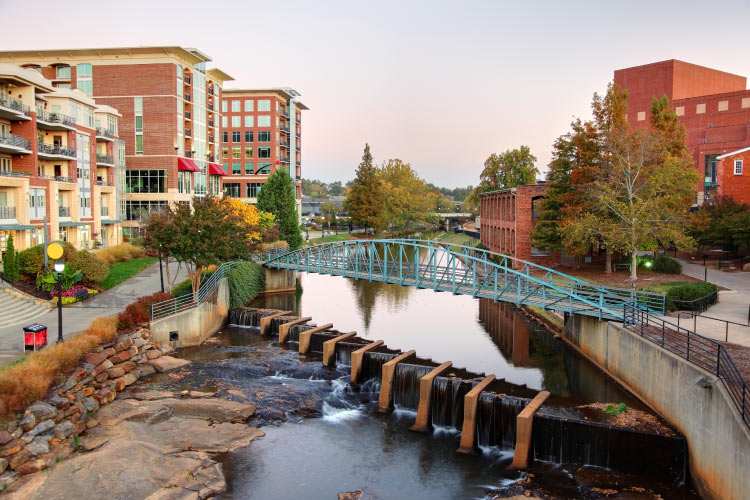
x=249 y=317
x=372 y=364
x=496 y=419
x=406 y=384
x=277 y=322
x=344 y=353
x=447 y=401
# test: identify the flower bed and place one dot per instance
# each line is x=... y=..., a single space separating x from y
x=76 y=293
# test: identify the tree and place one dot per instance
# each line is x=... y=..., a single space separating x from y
x=509 y=169
x=336 y=189
x=365 y=201
x=158 y=236
x=10 y=261
x=723 y=223
x=278 y=198
x=443 y=204
x=409 y=203
x=329 y=211
x=471 y=202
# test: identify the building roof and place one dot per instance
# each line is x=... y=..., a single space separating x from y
x=25 y=76
x=733 y=153
x=218 y=74
x=513 y=189
x=287 y=92
x=76 y=95
x=103 y=108
x=189 y=54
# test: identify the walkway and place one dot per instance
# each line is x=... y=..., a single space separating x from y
x=77 y=317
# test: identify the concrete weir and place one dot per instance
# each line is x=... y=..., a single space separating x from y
x=306 y=336
x=358 y=356
x=386 y=381
x=329 y=347
x=265 y=321
x=524 y=426
x=470 y=414
x=284 y=328
x=425 y=394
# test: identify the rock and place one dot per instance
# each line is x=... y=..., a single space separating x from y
x=122 y=345
x=104 y=365
x=144 y=371
x=12 y=448
x=116 y=372
x=3 y=464
x=16 y=433
x=130 y=378
x=19 y=458
x=128 y=366
x=236 y=393
x=166 y=349
x=90 y=404
x=351 y=495
x=746 y=266
x=136 y=359
x=101 y=377
x=27 y=422
x=153 y=354
x=5 y=437
x=119 y=383
x=33 y=466
x=7 y=479
x=88 y=367
x=41 y=427
x=92 y=423
x=56 y=400
x=39 y=446
x=64 y=429
x=42 y=410
x=110 y=351
x=133 y=351
x=150 y=395
x=138 y=342
x=96 y=358
x=120 y=357
x=166 y=363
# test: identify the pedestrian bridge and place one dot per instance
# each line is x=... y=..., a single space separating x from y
x=463 y=270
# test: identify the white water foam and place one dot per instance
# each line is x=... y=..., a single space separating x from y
x=444 y=430
x=495 y=453
x=401 y=412
x=338 y=415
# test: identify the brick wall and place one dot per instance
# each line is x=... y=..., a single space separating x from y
x=736 y=186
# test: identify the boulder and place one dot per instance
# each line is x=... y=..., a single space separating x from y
x=166 y=363
x=116 y=372
x=96 y=358
x=42 y=410
x=39 y=446
x=64 y=429
x=27 y=422
x=153 y=354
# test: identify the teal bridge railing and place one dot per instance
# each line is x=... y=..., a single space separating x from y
x=185 y=302
x=463 y=270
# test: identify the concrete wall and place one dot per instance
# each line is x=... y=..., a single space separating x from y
x=718 y=439
x=197 y=324
x=280 y=280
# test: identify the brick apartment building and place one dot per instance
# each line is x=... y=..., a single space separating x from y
x=170 y=120
x=61 y=162
x=260 y=132
x=507 y=218
x=713 y=105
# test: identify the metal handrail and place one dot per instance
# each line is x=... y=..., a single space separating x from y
x=178 y=304
x=105 y=159
x=15 y=141
x=55 y=117
x=56 y=149
x=14 y=104
x=698 y=305
x=7 y=212
x=702 y=351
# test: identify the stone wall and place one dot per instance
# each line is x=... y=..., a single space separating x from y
x=693 y=400
x=48 y=431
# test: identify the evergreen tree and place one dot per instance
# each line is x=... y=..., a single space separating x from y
x=365 y=201
x=10 y=261
x=277 y=197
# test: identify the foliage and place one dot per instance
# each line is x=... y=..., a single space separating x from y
x=31 y=260
x=140 y=310
x=512 y=168
x=686 y=291
x=365 y=202
x=76 y=293
x=278 y=197
x=409 y=203
x=667 y=265
x=616 y=410
x=122 y=271
x=457 y=194
x=329 y=211
x=93 y=268
x=726 y=222
x=10 y=261
x=186 y=287
x=120 y=253
x=68 y=278
x=471 y=202
x=246 y=279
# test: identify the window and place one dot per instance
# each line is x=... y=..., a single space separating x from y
x=63 y=86
x=236 y=168
x=236 y=136
x=183 y=181
x=249 y=168
x=253 y=188
x=264 y=168
x=135 y=209
x=146 y=181
x=223 y=106
x=225 y=137
x=249 y=121
x=232 y=189
x=737 y=167
x=236 y=152
x=264 y=136
x=249 y=136
x=37 y=199
x=4 y=164
x=249 y=104
x=236 y=122
x=225 y=164
x=264 y=105
x=83 y=74
x=63 y=72
x=264 y=121
x=138 y=106
x=248 y=152
x=236 y=106
x=264 y=152
x=224 y=121
x=225 y=152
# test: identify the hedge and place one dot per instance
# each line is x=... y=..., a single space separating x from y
x=684 y=291
x=93 y=268
x=31 y=260
x=186 y=287
x=245 y=281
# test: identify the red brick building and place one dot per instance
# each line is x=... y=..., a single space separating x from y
x=260 y=132
x=507 y=218
x=733 y=172
x=713 y=105
x=169 y=101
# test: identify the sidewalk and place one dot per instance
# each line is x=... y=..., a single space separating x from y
x=77 y=317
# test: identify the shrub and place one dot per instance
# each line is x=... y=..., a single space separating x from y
x=119 y=253
x=682 y=291
x=667 y=265
x=10 y=261
x=93 y=268
x=245 y=281
x=183 y=288
x=140 y=310
x=31 y=260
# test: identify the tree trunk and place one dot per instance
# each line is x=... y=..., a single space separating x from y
x=196 y=278
x=166 y=267
x=633 y=266
x=608 y=263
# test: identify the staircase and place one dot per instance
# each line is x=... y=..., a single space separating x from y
x=18 y=310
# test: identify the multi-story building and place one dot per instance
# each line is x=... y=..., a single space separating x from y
x=169 y=106
x=51 y=179
x=713 y=105
x=260 y=132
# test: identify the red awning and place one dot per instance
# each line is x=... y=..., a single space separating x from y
x=189 y=165
x=216 y=169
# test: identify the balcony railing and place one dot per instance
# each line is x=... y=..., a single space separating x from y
x=187 y=97
x=60 y=178
x=15 y=141
x=14 y=173
x=14 y=104
x=187 y=115
x=188 y=132
x=210 y=91
x=55 y=149
x=211 y=139
x=186 y=79
x=210 y=107
x=7 y=212
x=105 y=211
x=283 y=112
x=105 y=132
x=101 y=182
x=210 y=123
x=284 y=128
x=60 y=118
x=108 y=159
x=63 y=211
x=211 y=158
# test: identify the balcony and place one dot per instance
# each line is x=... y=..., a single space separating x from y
x=105 y=134
x=284 y=145
x=56 y=151
x=14 y=144
x=54 y=121
x=283 y=112
x=210 y=139
x=102 y=182
x=210 y=91
x=284 y=128
x=60 y=178
x=186 y=79
x=105 y=160
x=187 y=115
x=210 y=123
x=7 y=213
x=188 y=132
x=105 y=212
x=210 y=107
x=63 y=211
x=13 y=173
x=187 y=97
x=13 y=109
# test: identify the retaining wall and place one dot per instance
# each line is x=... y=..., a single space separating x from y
x=718 y=439
x=280 y=280
x=197 y=324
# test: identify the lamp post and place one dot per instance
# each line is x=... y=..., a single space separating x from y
x=59 y=268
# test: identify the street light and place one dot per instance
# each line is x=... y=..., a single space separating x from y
x=59 y=268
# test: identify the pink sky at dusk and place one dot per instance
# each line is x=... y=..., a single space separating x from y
x=438 y=84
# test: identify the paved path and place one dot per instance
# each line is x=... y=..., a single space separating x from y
x=77 y=317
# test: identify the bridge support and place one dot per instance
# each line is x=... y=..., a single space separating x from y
x=524 y=422
x=358 y=356
x=284 y=328
x=386 y=380
x=425 y=394
x=280 y=280
x=265 y=321
x=304 y=337
x=329 y=347
x=470 y=415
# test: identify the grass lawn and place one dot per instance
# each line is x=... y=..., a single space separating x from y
x=329 y=238
x=121 y=271
x=458 y=239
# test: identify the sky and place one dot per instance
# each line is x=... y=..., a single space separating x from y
x=440 y=85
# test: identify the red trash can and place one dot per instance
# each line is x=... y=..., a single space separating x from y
x=34 y=337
